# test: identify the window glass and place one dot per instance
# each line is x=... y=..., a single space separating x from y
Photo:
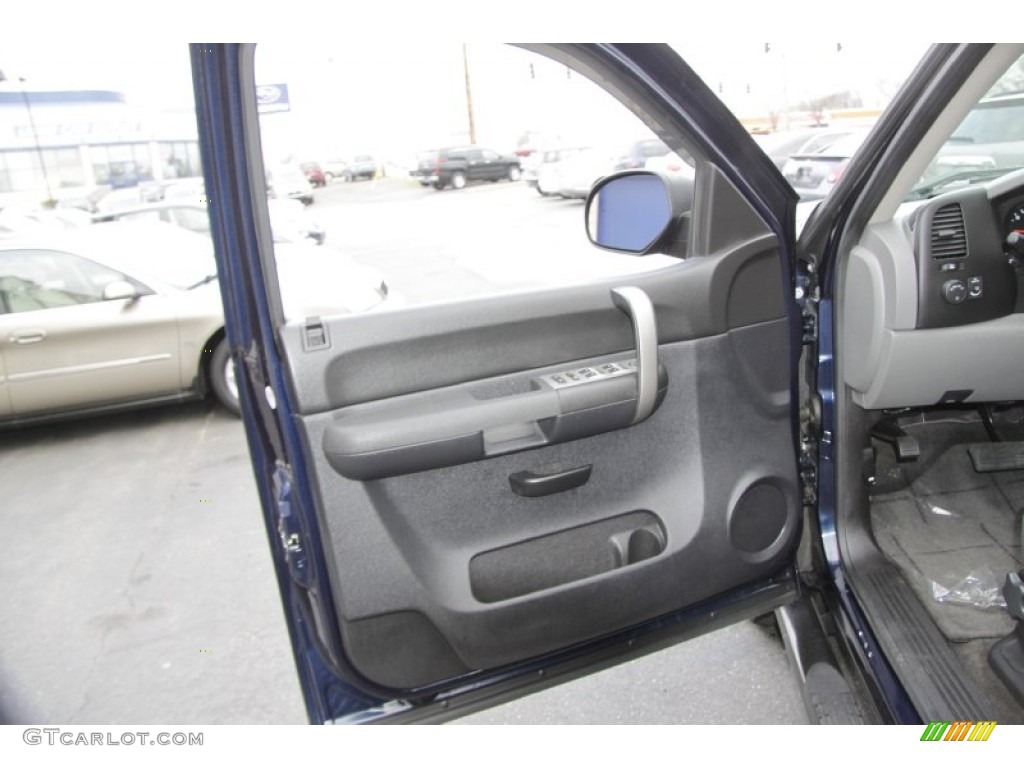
x=988 y=142
x=64 y=167
x=429 y=225
x=35 y=280
x=23 y=170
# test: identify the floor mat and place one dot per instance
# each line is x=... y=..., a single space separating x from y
x=950 y=524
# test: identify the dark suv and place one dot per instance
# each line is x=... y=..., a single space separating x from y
x=457 y=166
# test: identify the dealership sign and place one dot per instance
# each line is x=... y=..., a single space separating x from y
x=272 y=98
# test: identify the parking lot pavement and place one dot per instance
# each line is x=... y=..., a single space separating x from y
x=484 y=239
x=138 y=589
x=138 y=584
x=738 y=675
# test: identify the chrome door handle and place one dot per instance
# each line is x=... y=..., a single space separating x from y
x=27 y=337
x=637 y=304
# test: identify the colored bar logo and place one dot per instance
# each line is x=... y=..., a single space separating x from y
x=961 y=730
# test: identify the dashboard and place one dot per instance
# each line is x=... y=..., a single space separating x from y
x=931 y=301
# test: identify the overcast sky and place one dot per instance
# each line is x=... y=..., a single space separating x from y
x=386 y=77
x=155 y=71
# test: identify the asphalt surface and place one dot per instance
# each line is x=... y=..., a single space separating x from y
x=137 y=580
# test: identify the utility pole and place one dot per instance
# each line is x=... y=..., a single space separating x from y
x=39 y=150
x=469 y=96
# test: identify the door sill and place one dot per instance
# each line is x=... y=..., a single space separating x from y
x=929 y=670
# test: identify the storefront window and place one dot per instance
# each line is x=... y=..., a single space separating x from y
x=121 y=165
x=21 y=170
x=180 y=159
x=64 y=167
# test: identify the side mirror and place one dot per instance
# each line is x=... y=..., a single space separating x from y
x=119 y=289
x=637 y=211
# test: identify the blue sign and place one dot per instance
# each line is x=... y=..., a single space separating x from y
x=272 y=98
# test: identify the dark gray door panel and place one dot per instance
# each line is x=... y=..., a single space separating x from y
x=442 y=572
x=454 y=425
x=375 y=356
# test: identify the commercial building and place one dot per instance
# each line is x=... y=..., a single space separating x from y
x=64 y=145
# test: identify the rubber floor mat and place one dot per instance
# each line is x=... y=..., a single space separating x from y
x=952 y=523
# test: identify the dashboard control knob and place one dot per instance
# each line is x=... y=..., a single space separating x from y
x=954 y=291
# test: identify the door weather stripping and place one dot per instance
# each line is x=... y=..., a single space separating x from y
x=637 y=305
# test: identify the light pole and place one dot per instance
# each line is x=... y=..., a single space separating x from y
x=50 y=202
x=469 y=96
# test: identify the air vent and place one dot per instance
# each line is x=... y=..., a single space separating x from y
x=949 y=236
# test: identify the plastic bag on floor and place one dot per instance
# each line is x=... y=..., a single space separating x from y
x=981 y=588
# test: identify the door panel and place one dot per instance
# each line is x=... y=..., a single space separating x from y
x=378 y=356
x=458 y=519
x=442 y=572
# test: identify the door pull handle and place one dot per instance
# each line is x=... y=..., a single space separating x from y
x=533 y=484
x=638 y=307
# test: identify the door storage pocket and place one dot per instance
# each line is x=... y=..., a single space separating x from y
x=566 y=556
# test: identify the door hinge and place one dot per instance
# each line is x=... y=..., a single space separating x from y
x=807 y=295
x=810 y=446
x=809 y=470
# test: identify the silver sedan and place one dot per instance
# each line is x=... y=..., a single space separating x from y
x=128 y=314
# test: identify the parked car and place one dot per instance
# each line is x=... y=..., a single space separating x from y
x=117 y=199
x=814 y=174
x=115 y=315
x=579 y=172
x=314 y=174
x=673 y=164
x=531 y=167
x=458 y=166
x=289 y=182
x=990 y=137
x=782 y=145
x=191 y=189
x=362 y=167
x=549 y=173
x=335 y=169
x=19 y=220
x=289 y=220
x=637 y=153
x=478 y=498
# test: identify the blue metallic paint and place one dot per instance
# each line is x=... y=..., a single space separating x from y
x=860 y=638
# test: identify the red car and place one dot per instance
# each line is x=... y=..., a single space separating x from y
x=315 y=174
